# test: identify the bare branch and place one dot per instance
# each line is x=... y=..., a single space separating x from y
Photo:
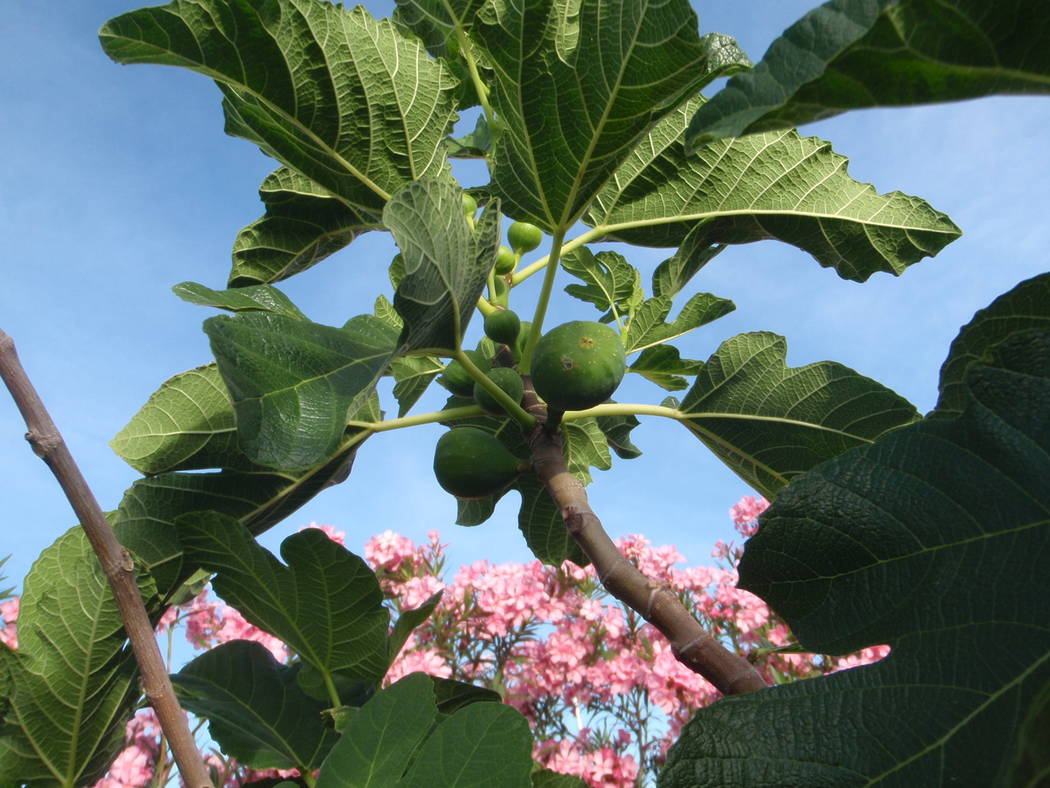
x=117 y=564
x=659 y=605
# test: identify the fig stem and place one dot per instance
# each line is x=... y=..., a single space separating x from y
x=513 y=409
x=543 y=301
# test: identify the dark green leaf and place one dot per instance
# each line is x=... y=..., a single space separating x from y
x=73 y=683
x=931 y=540
x=869 y=53
x=617 y=431
x=613 y=284
x=435 y=21
x=545 y=778
x=451 y=695
x=475 y=145
x=1027 y=305
x=724 y=58
x=770 y=423
x=292 y=382
x=476 y=511
x=303 y=225
x=446 y=263
x=483 y=744
x=584 y=446
x=662 y=365
x=252 y=298
x=256 y=711
x=777 y=185
x=648 y=327
x=381 y=737
x=408 y=621
x=325 y=603
x=353 y=104
x=544 y=529
x=604 y=71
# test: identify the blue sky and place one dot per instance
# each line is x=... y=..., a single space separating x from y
x=119 y=183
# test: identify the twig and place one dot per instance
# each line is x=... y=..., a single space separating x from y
x=690 y=643
x=117 y=564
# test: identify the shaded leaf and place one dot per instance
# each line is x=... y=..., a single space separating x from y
x=292 y=382
x=412 y=376
x=648 y=327
x=540 y=521
x=325 y=603
x=605 y=86
x=252 y=298
x=614 y=286
x=770 y=423
x=382 y=736
x=662 y=365
x=446 y=263
x=354 y=104
x=435 y=22
x=73 y=683
x=303 y=225
x=475 y=145
x=451 y=695
x=187 y=424
x=476 y=511
x=675 y=272
x=849 y=54
x=545 y=778
x=481 y=744
x=255 y=709
x=617 y=431
x=931 y=540
x=776 y=185
x=1027 y=305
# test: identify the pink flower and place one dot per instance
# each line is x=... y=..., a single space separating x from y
x=339 y=537
x=234 y=627
x=9 y=615
x=389 y=550
x=745 y=512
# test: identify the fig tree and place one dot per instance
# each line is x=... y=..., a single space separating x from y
x=503 y=327
x=509 y=382
x=524 y=237
x=456 y=379
x=471 y=463
x=578 y=365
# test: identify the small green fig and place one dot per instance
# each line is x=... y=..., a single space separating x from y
x=509 y=382
x=524 y=237
x=506 y=261
x=456 y=379
x=503 y=326
x=578 y=365
x=471 y=463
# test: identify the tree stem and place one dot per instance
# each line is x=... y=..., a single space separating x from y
x=117 y=564
x=659 y=605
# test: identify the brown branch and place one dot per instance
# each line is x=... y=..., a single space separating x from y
x=117 y=564
x=659 y=605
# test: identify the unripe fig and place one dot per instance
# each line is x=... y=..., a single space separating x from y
x=506 y=261
x=508 y=380
x=524 y=237
x=578 y=365
x=470 y=206
x=456 y=379
x=471 y=463
x=503 y=326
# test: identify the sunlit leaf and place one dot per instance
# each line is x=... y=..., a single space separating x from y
x=354 y=104
x=252 y=298
x=544 y=529
x=649 y=326
x=765 y=186
x=612 y=284
x=662 y=365
x=617 y=431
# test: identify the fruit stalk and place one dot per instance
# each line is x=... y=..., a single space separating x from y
x=659 y=605
x=117 y=564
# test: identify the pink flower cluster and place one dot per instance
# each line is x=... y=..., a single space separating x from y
x=603 y=693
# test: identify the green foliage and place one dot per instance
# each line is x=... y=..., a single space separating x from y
x=895 y=543
x=879 y=532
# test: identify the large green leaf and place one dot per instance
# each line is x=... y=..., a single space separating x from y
x=256 y=711
x=303 y=224
x=249 y=298
x=769 y=422
x=613 y=285
x=867 y=53
x=932 y=540
x=664 y=366
x=436 y=21
x=446 y=263
x=1026 y=306
x=649 y=327
x=777 y=185
x=575 y=84
x=325 y=603
x=354 y=104
x=293 y=382
x=73 y=683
